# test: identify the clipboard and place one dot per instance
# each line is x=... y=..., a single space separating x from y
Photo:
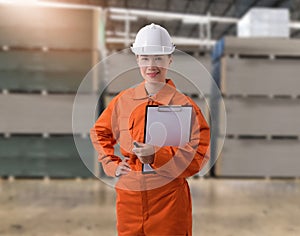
x=167 y=126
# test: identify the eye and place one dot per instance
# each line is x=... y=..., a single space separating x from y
x=144 y=59
x=158 y=58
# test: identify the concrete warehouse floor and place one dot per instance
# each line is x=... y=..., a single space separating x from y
x=86 y=207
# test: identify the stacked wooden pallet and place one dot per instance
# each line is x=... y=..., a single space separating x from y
x=259 y=80
x=46 y=52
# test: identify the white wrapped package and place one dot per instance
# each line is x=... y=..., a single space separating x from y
x=264 y=22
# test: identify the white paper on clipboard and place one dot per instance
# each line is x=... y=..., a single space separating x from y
x=167 y=126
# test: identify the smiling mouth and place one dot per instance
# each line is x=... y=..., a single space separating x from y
x=152 y=75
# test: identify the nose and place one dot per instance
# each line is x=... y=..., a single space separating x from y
x=152 y=62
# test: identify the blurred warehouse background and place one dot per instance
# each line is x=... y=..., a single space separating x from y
x=251 y=48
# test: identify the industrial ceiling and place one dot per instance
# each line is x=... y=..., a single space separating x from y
x=227 y=9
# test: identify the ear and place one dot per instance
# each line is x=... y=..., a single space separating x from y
x=137 y=59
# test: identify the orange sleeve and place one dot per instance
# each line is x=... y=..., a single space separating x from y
x=183 y=162
x=103 y=140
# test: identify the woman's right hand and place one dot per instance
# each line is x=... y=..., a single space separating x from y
x=123 y=167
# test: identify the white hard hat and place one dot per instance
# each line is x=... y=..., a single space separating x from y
x=152 y=40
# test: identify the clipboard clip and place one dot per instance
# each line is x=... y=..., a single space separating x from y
x=169 y=108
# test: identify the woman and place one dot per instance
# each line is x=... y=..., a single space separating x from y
x=158 y=203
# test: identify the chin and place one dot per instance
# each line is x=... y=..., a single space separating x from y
x=155 y=81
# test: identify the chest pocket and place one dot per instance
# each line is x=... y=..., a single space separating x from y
x=126 y=134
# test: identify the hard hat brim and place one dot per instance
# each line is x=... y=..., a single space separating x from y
x=152 y=50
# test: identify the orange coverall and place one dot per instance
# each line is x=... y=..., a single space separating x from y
x=159 y=203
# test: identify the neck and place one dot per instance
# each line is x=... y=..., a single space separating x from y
x=153 y=88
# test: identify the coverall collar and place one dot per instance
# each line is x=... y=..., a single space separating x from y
x=163 y=96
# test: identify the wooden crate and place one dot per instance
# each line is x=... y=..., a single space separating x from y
x=23 y=113
x=259 y=158
x=53 y=71
x=34 y=156
x=261 y=46
x=249 y=76
x=52 y=27
x=261 y=116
